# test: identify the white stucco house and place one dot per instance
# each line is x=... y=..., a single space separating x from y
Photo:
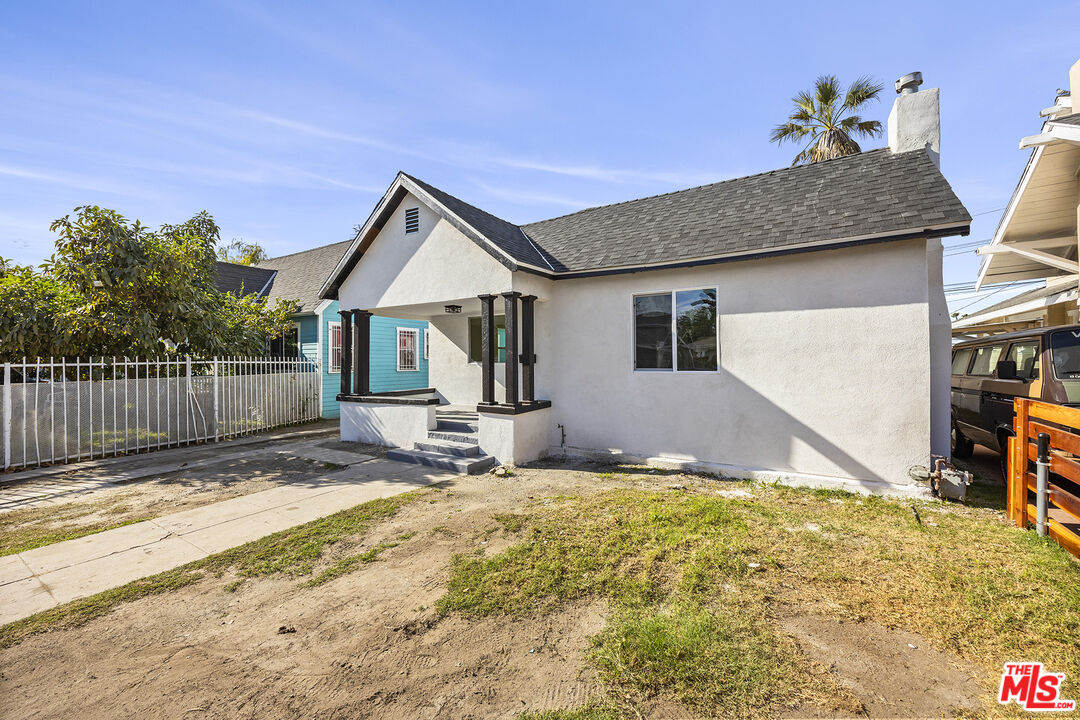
x=788 y=325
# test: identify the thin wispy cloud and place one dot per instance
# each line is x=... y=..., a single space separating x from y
x=528 y=197
x=618 y=176
x=71 y=181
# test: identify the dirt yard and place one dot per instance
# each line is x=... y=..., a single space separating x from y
x=407 y=635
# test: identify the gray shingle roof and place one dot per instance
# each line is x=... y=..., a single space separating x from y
x=240 y=279
x=301 y=275
x=1073 y=119
x=871 y=193
x=504 y=234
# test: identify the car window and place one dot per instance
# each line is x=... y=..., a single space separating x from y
x=1065 y=352
x=1026 y=357
x=960 y=361
x=986 y=359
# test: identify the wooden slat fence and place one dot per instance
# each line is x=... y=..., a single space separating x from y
x=1062 y=424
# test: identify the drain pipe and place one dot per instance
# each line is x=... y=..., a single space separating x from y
x=1042 y=470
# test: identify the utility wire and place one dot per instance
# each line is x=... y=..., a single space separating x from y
x=995 y=292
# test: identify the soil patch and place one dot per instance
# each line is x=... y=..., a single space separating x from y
x=893 y=673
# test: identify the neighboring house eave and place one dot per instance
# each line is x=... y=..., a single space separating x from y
x=1054 y=139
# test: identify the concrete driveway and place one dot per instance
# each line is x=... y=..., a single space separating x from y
x=41 y=578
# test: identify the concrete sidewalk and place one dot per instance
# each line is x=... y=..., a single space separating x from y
x=42 y=578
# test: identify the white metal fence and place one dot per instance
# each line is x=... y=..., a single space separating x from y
x=63 y=411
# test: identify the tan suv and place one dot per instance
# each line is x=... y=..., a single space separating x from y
x=987 y=374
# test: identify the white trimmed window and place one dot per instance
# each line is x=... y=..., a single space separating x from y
x=335 y=346
x=407 y=339
x=427 y=341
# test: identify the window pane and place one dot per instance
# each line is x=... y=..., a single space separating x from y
x=1026 y=357
x=1065 y=352
x=986 y=359
x=960 y=361
x=652 y=332
x=695 y=329
x=476 y=348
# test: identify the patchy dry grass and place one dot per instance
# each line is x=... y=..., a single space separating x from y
x=35 y=527
x=697 y=579
x=292 y=552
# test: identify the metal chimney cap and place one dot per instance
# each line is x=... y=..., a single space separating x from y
x=909 y=83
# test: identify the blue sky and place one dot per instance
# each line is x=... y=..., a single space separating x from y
x=288 y=120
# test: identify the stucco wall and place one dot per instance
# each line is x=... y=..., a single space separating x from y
x=515 y=439
x=458 y=381
x=824 y=366
x=394 y=425
x=940 y=353
x=435 y=265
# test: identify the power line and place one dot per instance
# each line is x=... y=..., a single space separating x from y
x=995 y=292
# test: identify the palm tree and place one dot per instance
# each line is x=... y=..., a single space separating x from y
x=828 y=119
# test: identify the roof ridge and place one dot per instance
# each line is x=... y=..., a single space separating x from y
x=240 y=265
x=709 y=185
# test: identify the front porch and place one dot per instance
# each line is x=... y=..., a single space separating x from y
x=482 y=407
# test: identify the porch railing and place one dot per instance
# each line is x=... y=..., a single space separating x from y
x=59 y=411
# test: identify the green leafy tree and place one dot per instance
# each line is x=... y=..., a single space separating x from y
x=826 y=120
x=242 y=253
x=32 y=309
x=119 y=288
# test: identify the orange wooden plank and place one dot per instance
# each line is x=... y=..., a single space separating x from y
x=1063 y=466
x=1063 y=536
x=1059 y=438
x=1070 y=417
x=1064 y=500
x=1018 y=469
x=1056 y=496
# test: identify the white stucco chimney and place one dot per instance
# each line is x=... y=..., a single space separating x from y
x=915 y=119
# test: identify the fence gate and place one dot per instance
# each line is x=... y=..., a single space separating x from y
x=1062 y=425
x=64 y=411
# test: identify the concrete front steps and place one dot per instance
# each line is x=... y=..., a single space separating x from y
x=452 y=445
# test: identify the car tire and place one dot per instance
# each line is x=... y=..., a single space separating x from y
x=962 y=448
x=1003 y=461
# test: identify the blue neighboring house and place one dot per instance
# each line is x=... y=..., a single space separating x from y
x=398 y=347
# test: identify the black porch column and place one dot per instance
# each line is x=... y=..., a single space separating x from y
x=528 y=350
x=362 y=352
x=346 y=352
x=487 y=345
x=511 y=378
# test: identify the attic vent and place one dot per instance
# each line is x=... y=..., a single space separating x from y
x=412 y=220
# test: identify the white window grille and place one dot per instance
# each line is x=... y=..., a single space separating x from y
x=427 y=344
x=406 y=353
x=335 y=347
